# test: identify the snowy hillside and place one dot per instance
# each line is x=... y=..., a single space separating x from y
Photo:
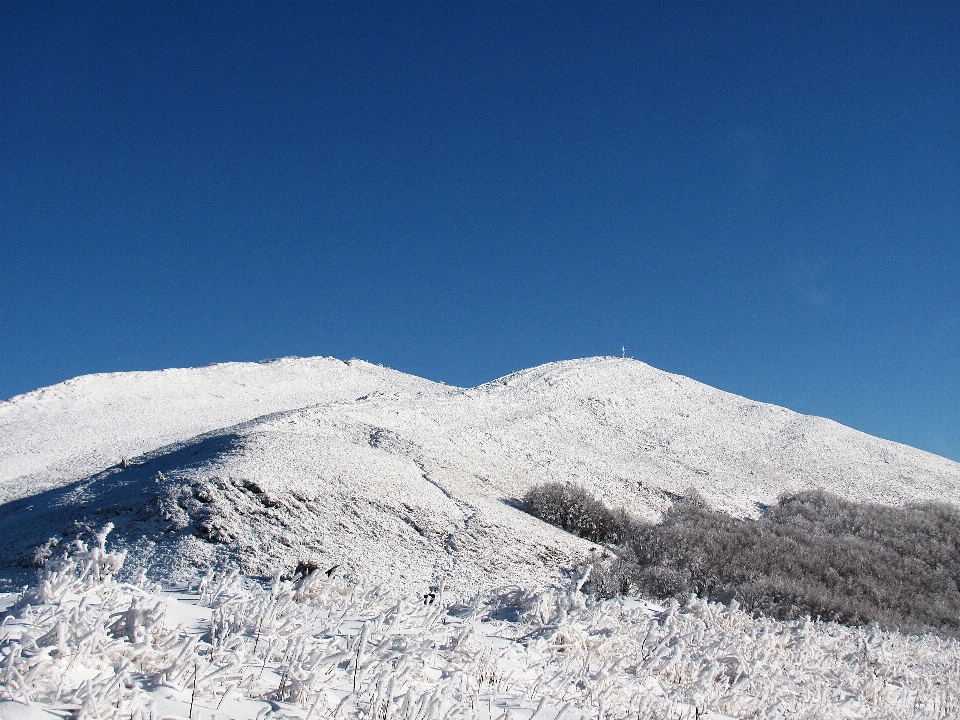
x=399 y=480
x=71 y=430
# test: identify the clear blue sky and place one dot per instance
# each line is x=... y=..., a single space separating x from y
x=764 y=197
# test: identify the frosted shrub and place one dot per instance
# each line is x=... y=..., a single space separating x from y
x=573 y=508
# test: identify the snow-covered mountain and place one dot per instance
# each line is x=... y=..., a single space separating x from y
x=400 y=480
x=68 y=431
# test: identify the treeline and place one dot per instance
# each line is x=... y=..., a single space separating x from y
x=812 y=554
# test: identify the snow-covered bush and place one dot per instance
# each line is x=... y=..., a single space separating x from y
x=573 y=508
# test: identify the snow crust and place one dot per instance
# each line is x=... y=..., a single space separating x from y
x=400 y=481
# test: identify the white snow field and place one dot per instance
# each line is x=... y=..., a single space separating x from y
x=406 y=486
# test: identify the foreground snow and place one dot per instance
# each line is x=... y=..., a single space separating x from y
x=84 y=645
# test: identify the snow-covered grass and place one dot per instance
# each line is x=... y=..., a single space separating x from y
x=82 y=644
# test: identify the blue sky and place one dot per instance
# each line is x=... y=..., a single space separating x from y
x=764 y=198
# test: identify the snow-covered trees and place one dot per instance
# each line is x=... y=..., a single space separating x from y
x=812 y=554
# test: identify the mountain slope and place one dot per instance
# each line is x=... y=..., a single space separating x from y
x=67 y=431
x=419 y=481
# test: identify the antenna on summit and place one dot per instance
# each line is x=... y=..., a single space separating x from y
x=623 y=349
